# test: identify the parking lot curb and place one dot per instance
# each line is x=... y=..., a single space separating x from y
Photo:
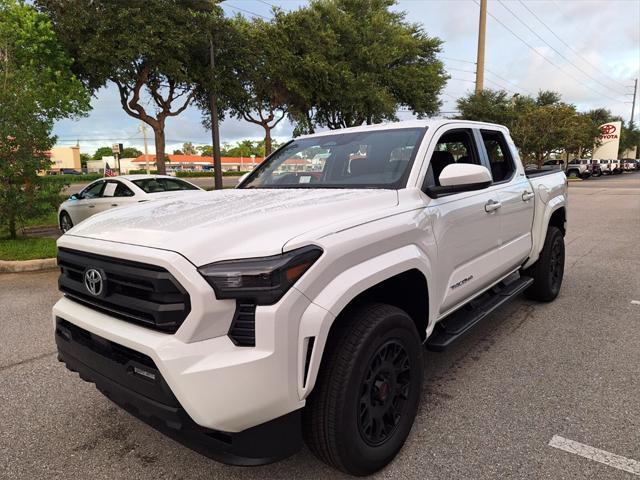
x=17 y=266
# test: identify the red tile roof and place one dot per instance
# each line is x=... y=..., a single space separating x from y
x=198 y=159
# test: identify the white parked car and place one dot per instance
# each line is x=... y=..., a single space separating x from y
x=298 y=305
x=111 y=192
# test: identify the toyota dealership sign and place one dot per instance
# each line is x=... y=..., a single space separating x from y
x=609 y=140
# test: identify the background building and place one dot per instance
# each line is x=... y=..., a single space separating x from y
x=196 y=163
x=64 y=157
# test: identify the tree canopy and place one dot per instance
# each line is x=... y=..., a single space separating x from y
x=349 y=62
x=36 y=88
x=152 y=50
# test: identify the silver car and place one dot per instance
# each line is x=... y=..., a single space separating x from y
x=111 y=192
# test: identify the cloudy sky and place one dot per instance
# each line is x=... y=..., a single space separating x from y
x=588 y=50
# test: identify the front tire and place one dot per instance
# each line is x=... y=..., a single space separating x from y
x=548 y=271
x=367 y=392
x=66 y=223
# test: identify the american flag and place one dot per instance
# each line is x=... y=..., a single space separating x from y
x=108 y=172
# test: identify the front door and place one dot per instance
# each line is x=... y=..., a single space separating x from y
x=465 y=225
x=85 y=206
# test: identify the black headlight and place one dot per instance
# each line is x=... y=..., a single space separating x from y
x=264 y=280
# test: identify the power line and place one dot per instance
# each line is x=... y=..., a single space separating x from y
x=267 y=3
x=245 y=11
x=458 y=60
x=555 y=50
x=460 y=70
x=462 y=80
x=500 y=86
x=509 y=82
x=545 y=58
x=569 y=46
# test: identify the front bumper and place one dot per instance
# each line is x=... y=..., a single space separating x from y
x=133 y=381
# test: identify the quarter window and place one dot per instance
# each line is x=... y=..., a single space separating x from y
x=500 y=161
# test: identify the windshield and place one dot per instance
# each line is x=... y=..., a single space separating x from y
x=373 y=159
x=156 y=185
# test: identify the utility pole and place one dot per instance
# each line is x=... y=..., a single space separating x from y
x=215 y=129
x=633 y=104
x=482 y=30
x=143 y=129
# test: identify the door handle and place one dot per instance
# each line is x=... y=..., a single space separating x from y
x=114 y=204
x=91 y=206
x=527 y=195
x=492 y=206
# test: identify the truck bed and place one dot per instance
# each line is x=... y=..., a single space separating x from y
x=539 y=172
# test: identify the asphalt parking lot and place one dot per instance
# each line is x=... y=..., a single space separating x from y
x=491 y=403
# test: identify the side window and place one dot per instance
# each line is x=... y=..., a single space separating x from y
x=94 y=190
x=502 y=167
x=454 y=146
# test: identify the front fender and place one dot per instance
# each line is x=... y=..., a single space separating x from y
x=339 y=292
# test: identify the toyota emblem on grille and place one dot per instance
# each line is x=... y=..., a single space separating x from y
x=93 y=281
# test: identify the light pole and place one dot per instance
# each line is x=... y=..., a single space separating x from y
x=482 y=30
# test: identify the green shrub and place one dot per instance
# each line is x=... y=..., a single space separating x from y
x=67 y=179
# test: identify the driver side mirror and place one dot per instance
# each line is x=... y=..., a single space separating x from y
x=461 y=177
x=75 y=196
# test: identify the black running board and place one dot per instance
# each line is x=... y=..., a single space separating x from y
x=465 y=318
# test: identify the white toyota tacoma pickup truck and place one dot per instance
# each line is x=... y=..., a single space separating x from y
x=297 y=306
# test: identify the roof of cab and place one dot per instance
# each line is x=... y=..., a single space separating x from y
x=431 y=123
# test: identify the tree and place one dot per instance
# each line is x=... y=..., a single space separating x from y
x=629 y=137
x=541 y=129
x=582 y=135
x=188 y=149
x=131 y=152
x=84 y=158
x=494 y=106
x=36 y=88
x=103 y=152
x=257 y=94
x=205 y=150
x=150 y=49
x=348 y=62
x=178 y=152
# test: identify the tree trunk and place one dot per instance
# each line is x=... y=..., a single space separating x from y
x=13 y=234
x=160 y=146
x=267 y=140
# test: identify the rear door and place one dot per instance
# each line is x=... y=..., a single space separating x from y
x=466 y=232
x=515 y=194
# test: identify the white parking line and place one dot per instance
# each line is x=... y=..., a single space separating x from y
x=595 y=454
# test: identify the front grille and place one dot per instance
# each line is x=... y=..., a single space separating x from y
x=243 y=327
x=136 y=292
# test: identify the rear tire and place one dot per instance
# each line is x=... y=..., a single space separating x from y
x=548 y=271
x=66 y=223
x=367 y=392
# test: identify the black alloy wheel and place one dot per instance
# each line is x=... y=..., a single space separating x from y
x=384 y=391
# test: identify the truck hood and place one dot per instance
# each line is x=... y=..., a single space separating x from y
x=209 y=226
